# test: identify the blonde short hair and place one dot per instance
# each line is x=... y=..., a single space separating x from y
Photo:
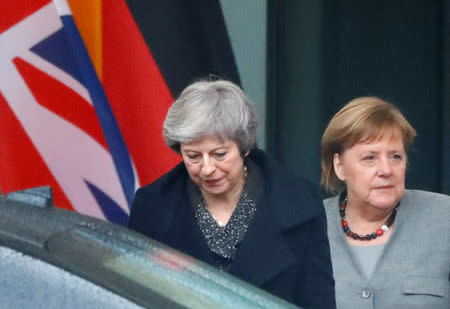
x=362 y=119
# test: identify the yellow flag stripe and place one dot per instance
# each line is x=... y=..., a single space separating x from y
x=87 y=15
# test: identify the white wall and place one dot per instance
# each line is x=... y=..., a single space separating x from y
x=246 y=21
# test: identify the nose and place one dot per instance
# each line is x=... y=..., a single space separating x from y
x=384 y=167
x=208 y=166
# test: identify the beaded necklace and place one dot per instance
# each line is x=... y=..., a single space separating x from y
x=383 y=229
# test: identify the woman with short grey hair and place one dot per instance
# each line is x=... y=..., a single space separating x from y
x=228 y=204
x=205 y=108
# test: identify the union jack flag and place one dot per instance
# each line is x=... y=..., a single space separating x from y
x=92 y=134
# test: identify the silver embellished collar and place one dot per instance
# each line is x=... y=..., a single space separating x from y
x=224 y=241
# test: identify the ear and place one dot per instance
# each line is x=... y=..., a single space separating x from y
x=246 y=154
x=338 y=166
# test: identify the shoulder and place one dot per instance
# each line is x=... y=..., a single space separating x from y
x=420 y=204
x=165 y=187
x=175 y=179
x=425 y=199
x=293 y=199
x=419 y=195
x=280 y=179
x=158 y=200
x=331 y=205
x=331 y=201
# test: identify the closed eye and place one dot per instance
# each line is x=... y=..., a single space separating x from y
x=220 y=154
x=193 y=157
x=369 y=158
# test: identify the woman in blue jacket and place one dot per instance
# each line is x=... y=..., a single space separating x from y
x=229 y=205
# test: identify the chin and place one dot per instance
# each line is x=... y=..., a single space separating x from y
x=386 y=198
x=214 y=190
x=384 y=204
x=385 y=201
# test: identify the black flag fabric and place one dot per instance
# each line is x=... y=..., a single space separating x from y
x=188 y=40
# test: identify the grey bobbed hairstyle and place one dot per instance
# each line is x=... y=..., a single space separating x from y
x=218 y=108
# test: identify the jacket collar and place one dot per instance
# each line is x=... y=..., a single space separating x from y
x=281 y=188
x=264 y=252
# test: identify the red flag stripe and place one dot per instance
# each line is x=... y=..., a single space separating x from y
x=25 y=161
x=136 y=91
x=69 y=105
x=18 y=11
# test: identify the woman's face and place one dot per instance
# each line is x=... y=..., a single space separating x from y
x=216 y=166
x=374 y=172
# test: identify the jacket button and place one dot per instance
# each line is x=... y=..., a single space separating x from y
x=366 y=293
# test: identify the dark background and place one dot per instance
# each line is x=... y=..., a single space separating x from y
x=322 y=54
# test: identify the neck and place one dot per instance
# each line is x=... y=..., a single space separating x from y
x=367 y=213
x=363 y=223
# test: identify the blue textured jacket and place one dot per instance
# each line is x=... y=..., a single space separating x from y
x=285 y=251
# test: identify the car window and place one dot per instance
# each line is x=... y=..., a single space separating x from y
x=143 y=267
x=27 y=282
x=68 y=255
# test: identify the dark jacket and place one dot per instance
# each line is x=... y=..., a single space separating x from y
x=285 y=250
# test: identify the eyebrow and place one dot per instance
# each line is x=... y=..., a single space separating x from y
x=212 y=150
x=362 y=152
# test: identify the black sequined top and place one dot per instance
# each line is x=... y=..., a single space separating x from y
x=223 y=241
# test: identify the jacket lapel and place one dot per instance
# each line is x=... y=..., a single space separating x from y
x=263 y=253
x=185 y=234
